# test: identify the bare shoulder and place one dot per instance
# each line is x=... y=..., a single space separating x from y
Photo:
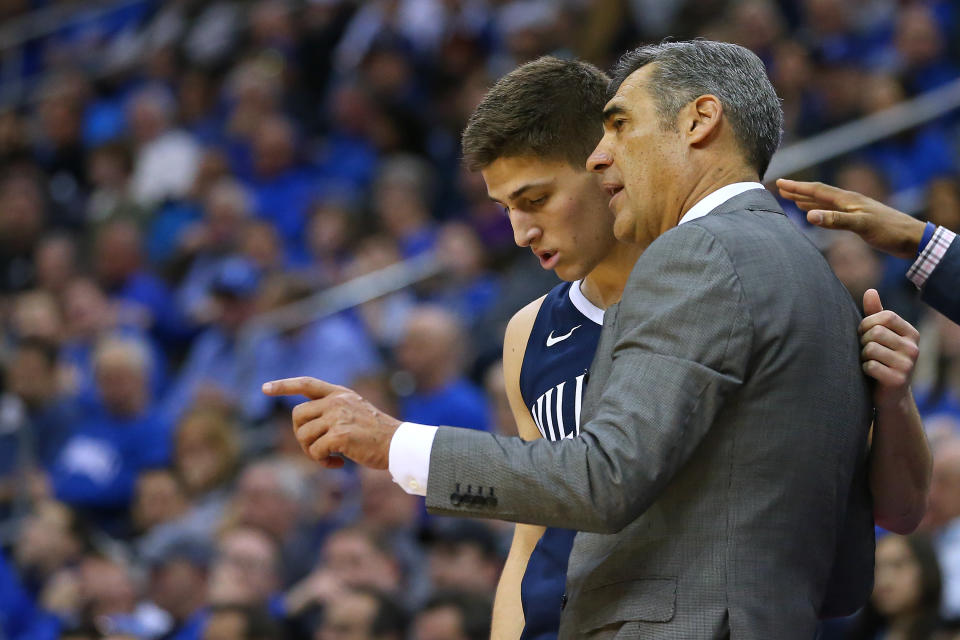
x=519 y=328
x=514 y=347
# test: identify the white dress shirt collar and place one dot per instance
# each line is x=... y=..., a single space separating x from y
x=713 y=200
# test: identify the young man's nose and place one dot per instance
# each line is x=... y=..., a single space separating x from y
x=525 y=234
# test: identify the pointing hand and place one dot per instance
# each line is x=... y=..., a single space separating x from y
x=336 y=420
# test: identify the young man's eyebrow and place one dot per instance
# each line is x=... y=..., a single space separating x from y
x=613 y=110
x=530 y=185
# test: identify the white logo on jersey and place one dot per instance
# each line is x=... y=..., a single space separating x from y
x=543 y=412
x=552 y=341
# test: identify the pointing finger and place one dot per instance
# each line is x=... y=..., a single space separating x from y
x=302 y=386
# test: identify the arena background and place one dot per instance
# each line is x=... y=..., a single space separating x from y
x=196 y=197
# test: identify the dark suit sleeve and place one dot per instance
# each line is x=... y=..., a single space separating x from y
x=682 y=345
x=940 y=290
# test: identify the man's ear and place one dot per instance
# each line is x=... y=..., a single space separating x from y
x=702 y=119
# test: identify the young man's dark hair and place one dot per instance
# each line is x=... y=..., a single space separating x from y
x=539 y=109
x=686 y=70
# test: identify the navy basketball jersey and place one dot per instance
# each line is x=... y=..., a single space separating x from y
x=552 y=379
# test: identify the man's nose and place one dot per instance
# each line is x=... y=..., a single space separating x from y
x=524 y=233
x=600 y=159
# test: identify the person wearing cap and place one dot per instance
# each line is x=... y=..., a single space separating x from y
x=218 y=364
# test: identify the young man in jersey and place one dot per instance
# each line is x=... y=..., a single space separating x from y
x=530 y=138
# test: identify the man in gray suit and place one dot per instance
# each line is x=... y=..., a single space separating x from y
x=720 y=468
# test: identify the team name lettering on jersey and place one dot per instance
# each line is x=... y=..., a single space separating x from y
x=548 y=411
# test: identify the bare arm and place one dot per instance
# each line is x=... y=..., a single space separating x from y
x=900 y=461
x=882 y=227
x=507 y=610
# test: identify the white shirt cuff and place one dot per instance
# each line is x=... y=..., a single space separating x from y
x=409 y=458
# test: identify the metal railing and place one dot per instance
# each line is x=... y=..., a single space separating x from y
x=860 y=133
x=40 y=23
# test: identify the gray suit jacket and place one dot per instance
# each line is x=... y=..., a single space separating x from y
x=721 y=468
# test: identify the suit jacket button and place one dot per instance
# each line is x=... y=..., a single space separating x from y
x=563 y=602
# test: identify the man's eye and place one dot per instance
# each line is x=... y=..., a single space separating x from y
x=539 y=201
x=618 y=124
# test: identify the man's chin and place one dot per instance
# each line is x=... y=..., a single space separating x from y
x=569 y=273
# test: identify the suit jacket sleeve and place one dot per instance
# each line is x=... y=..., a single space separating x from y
x=940 y=290
x=682 y=344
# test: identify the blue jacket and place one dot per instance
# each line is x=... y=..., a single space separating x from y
x=940 y=290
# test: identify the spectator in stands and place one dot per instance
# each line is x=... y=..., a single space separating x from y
x=239 y=622
x=464 y=557
x=452 y=615
x=856 y=265
x=36 y=316
x=914 y=157
x=178 y=585
x=111 y=168
x=36 y=424
x=51 y=538
x=351 y=558
x=282 y=188
x=361 y=614
x=942 y=520
x=401 y=201
x=108 y=595
x=432 y=352
x=98 y=464
x=331 y=233
x=166 y=158
x=218 y=364
x=270 y=496
x=906 y=592
x=245 y=571
x=158 y=499
x=22 y=220
x=467 y=288
x=943 y=203
x=262 y=246
x=89 y=318
x=57 y=263
x=206 y=458
x=163 y=513
x=141 y=298
x=209 y=243
x=60 y=154
x=920 y=49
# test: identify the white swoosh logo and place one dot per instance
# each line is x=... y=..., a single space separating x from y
x=552 y=341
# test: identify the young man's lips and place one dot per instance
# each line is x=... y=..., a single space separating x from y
x=548 y=260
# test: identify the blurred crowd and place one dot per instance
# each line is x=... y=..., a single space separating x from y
x=170 y=171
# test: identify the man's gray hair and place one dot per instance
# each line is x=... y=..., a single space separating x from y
x=687 y=70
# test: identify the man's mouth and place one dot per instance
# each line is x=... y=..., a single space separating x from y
x=613 y=190
x=548 y=259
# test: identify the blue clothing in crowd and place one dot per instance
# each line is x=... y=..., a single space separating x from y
x=20 y=617
x=458 y=404
x=100 y=460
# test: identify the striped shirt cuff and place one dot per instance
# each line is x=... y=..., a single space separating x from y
x=930 y=257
